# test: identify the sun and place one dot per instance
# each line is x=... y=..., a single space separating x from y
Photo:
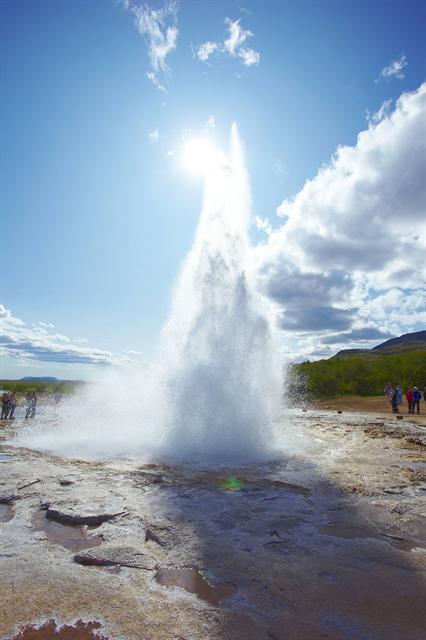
x=199 y=155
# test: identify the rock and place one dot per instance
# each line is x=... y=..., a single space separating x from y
x=6 y=512
x=114 y=557
x=150 y=535
x=75 y=518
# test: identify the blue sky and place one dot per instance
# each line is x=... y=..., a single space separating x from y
x=98 y=212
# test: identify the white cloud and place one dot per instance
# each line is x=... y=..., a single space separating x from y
x=159 y=26
x=204 y=51
x=249 y=56
x=38 y=343
x=47 y=325
x=263 y=225
x=4 y=313
x=151 y=76
x=154 y=135
x=232 y=45
x=382 y=112
x=236 y=36
x=211 y=122
x=395 y=68
x=351 y=253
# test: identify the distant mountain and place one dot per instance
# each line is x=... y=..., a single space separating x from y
x=39 y=379
x=408 y=342
x=362 y=372
x=347 y=353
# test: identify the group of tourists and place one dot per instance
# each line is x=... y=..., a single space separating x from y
x=413 y=397
x=9 y=404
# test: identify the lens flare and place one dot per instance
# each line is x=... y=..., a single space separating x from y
x=232 y=484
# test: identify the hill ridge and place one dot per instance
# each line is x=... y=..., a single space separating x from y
x=407 y=342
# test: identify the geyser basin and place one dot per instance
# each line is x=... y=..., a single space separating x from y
x=325 y=544
x=215 y=392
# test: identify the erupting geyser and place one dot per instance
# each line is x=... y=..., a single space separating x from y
x=219 y=350
x=216 y=390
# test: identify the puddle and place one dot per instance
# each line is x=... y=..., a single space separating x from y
x=50 y=631
x=6 y=512
x=347 y=531
x=72 y=537
x=191 y=580
x=4 y=457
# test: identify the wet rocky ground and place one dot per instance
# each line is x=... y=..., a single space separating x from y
x=328 y=542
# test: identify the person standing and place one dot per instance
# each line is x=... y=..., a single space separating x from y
x=394 y=401
x=424 y=395
x=13 y=403
x=388 y=390
x=31 y=400
x=399 y=395
x=409 y=398
x=5 y=405
x=417 y=396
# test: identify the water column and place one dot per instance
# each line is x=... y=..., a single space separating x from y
x=220 y=355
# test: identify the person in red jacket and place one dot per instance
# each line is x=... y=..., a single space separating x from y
x=409 y=399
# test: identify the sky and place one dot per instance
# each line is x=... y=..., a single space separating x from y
x=98 y=212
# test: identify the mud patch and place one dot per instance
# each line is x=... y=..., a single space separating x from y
x=50 y=631
x=72 y=537
x=191 y=580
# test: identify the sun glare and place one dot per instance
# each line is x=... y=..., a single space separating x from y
x=199 y=155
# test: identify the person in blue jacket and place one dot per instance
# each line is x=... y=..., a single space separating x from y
x=417 y=396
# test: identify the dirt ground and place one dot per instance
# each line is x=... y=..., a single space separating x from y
x=375 y=404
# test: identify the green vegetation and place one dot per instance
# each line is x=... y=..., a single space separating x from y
x=23 y=386
x=365 y=375
x=395 y=346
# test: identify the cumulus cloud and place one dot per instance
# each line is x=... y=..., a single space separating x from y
x=395 y=68
x=351 y=252
x=159 y=26
x=18 y=340
x=232 y=45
